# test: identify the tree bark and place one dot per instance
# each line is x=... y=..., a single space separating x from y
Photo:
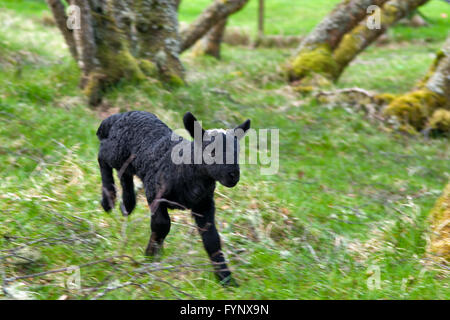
x=177 y=4
x=158 y=38
x=218 y=11
x=211 y=43
x=59 y=13
x=428 y=106
x=85 y=42
x=124 y=39
x=342 y=35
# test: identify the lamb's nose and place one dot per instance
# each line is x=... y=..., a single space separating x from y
x=233 y=175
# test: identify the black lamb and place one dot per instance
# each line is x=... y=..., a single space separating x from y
x=138 y=143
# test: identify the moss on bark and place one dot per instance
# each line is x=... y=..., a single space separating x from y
x=349 y=47
x=148 y=68
x=440 y=121
x=439 y=55
x=118 y=65
x=428 y=106
x=384 y=98
x=129 y=40
x=93 y=88
x=315 y=61
x=415 y=108
x=439 y=246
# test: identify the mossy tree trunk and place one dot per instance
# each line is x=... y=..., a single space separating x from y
x=216 y=14
x=210 y=44
x=314 y=55
x=355 y=41
x=439 y=245
x=344 y=17
x=428 y=106
x=342 y=35
x=123 y=39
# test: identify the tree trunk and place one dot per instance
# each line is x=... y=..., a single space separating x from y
x=215 y=13
x=123 y=39
x=177 y=4
x=343 y=34
x=344 y=17
x=314 y=55
x=261 y=18
x=439 y=246
x=210 y=44
x=355 y=41
x=61 y=18
x=428 y=106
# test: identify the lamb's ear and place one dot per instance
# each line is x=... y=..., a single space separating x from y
x=240 y=130
x=190 y=123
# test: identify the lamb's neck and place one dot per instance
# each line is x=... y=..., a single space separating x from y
x=191 y=182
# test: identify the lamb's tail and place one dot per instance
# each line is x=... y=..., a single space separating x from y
x=105 y=126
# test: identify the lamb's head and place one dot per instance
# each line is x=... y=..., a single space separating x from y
x=218 y=149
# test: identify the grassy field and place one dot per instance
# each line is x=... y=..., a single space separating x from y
x=351 y=196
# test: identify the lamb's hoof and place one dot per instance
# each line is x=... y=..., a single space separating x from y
x=125 y=213
x=229 y=282
x=154 y=252
x=106 y=205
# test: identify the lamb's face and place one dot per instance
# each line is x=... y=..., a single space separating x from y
x=220 y=149
x=221 y=156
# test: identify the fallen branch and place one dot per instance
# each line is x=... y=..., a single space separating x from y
x=346 y=90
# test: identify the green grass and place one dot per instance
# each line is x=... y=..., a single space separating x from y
x=350 y=194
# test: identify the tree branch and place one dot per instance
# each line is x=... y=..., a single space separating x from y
x=218 y=11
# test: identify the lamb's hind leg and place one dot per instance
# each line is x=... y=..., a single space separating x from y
x=108 y=187
x=128 y=195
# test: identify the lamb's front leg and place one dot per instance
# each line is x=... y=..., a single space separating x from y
x=108 y=187
x=128 y=194
x=160 y=226
x=204 y=217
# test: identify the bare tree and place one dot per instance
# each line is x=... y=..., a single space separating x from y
x=122 y=39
